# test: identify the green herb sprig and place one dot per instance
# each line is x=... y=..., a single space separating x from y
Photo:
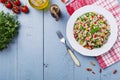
x=8 y=29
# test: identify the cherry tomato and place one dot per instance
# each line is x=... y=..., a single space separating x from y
x=17 y=2
x=3 y=1
x=24 y=9
x=16 y=9
x=8 y=4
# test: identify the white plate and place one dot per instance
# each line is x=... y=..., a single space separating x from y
x=111 y=21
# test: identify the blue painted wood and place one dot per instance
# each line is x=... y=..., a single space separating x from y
x=38 y=45
x=108 y=73
x=58 y=64
x=30 y=46
x=82 y=73
x=8 y=59
x=54 y=58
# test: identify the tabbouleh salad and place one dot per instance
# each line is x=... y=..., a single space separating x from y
x=91 y=30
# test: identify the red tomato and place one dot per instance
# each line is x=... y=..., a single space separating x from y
x=95 y=22
x=95 y=35
x=92 y=16
x=8 y=4
x=24 y=9
x=75 y=35
x=16 y=9
x=103 y=27
x=17 y=2
x=91 y=47
x=64 y=1
x=3 y=1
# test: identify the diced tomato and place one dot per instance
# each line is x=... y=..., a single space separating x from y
x=103 y=27
x=80 y=22
x=91 y=47
x=101 y=17
x=92 y=16
x=75 y=35
x=95 y=35
x=95 y=22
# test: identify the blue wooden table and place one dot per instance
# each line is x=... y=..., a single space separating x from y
x=37 y=53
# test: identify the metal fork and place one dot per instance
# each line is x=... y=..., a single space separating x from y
x=62 y=39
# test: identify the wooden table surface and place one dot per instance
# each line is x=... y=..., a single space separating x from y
x=37 y=53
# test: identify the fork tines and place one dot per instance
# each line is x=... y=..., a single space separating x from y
x=59 y=34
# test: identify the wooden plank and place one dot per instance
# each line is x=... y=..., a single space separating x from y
x=82 y=73
x=30 y=45
x=58 y=64
x=119 y=1
x=109 y=73
x=8 y=57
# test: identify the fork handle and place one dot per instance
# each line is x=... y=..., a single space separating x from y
x=73 y=57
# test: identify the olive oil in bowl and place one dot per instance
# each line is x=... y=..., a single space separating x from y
x=39 y=4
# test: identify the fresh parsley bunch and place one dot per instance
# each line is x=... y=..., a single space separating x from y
x=8 y=29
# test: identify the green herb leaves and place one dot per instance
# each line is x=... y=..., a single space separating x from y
x=8 y=29
x=94 y=30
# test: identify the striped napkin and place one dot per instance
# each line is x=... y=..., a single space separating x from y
x=113 y=55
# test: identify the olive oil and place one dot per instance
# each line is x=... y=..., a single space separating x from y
x=39 y=4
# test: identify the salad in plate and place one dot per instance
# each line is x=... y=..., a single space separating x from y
x=91 y=30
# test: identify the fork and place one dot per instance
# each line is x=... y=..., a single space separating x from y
x=62 y=39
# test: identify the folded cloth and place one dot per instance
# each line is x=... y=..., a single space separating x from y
x=113 y=55
x=76 y=4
